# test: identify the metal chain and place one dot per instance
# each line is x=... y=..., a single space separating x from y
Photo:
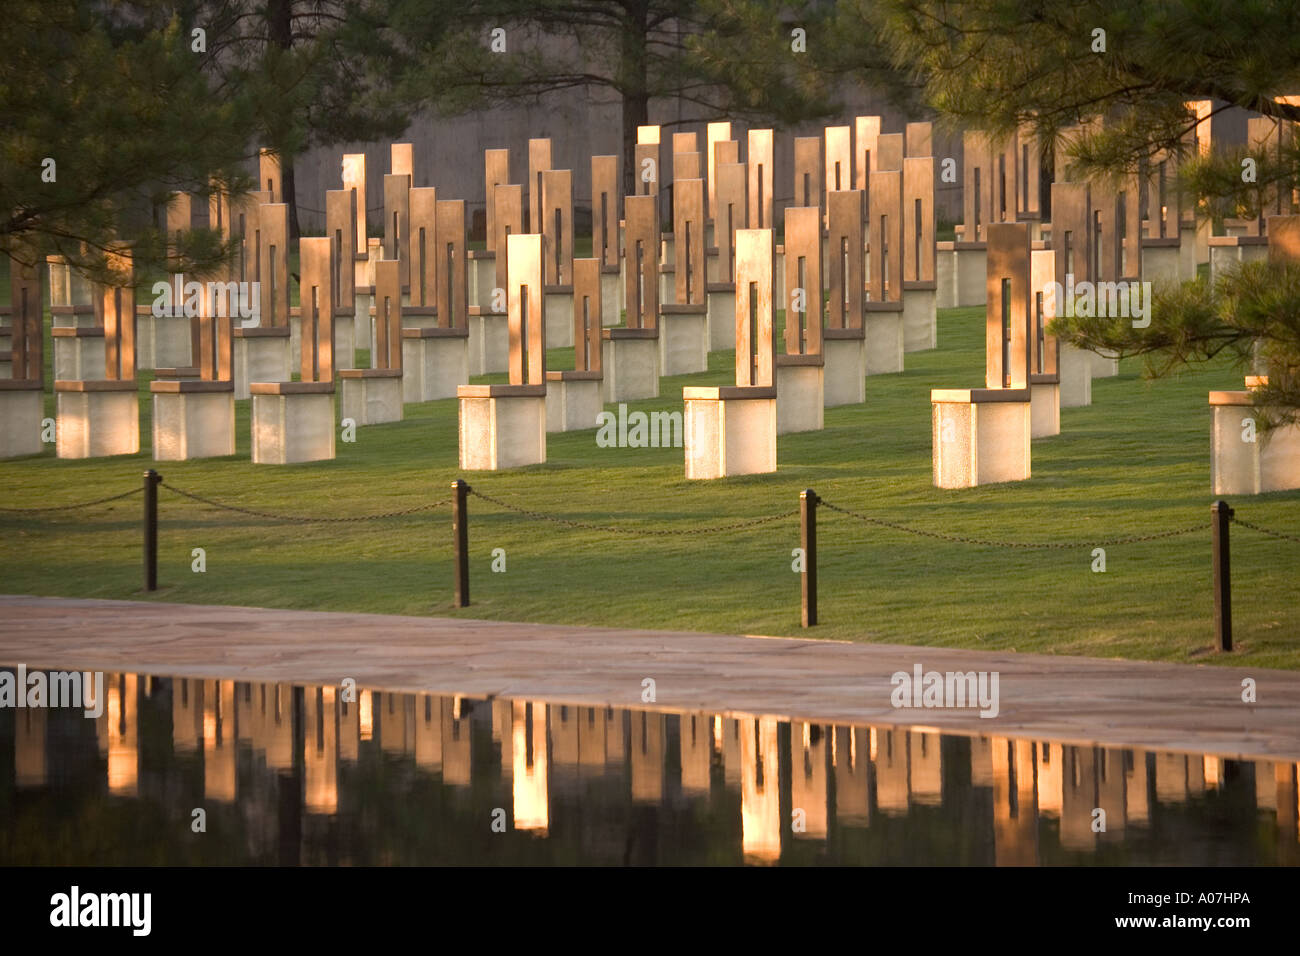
x=322 y=211
x=1271 y=534
x=613 y=529
x=1043 y=545
x=301 y=519
x=79 y=504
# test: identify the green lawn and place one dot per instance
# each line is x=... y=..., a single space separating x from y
x=1137 y=461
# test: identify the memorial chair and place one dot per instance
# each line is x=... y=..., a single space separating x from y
x=76 y=322
x=1244 y=458
x=482 y=262
x=715 y=133
x=962 y=263
x=22 y=394
x=556 y=205
x=504 y=426
x=294 y=421
x=194 y=416
x=729 y=215
x=573 y=396
x=844 y=346
x=630 y=351
x=731 y=429
x=683 y=322
x=435 y=334
x=373 y=396
x=489 y=326
x=165 y=343
x=800 y=372
x=883 y=320
x=100 y=416
x=920 y=288
x=1071 y=235
x=982 y=435
x=358 y=250
x=606 y=236
x=264 y=346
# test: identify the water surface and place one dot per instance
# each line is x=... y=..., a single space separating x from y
x=287 y=774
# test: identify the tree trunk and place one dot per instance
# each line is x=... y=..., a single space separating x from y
x=290 y=195
x=279 y=16
x=636 y=112
x=636 y=100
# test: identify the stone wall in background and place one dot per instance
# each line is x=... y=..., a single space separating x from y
x=449 y=151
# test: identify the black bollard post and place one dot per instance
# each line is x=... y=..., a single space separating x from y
x=1222 y=575
x=808 y=542
x=151 y=480
x=460 y=536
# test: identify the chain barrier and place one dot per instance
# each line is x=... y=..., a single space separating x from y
x=303 y=208
x=614 y=529
x=1039 y=545
x=655 y=532
x=1271 y=534
x=79 y=504
x=302 y=519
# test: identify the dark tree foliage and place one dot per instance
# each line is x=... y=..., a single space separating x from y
x=1131 y=67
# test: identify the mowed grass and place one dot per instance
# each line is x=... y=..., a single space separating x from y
x=1135 y=462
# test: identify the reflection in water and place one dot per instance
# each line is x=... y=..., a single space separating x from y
x=760 y=797
x=291 y=774
x=117 y=733
x=528 y=748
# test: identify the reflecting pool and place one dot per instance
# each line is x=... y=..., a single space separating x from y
x=287 y=774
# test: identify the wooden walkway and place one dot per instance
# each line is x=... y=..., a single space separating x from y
x=1155 y=706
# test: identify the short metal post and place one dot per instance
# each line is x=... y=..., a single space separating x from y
x=808 y=542
x=151 y=480
x=460 y=535
x=1222 y=575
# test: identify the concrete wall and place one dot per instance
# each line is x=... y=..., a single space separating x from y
x=449 y=152
x=582 y=124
